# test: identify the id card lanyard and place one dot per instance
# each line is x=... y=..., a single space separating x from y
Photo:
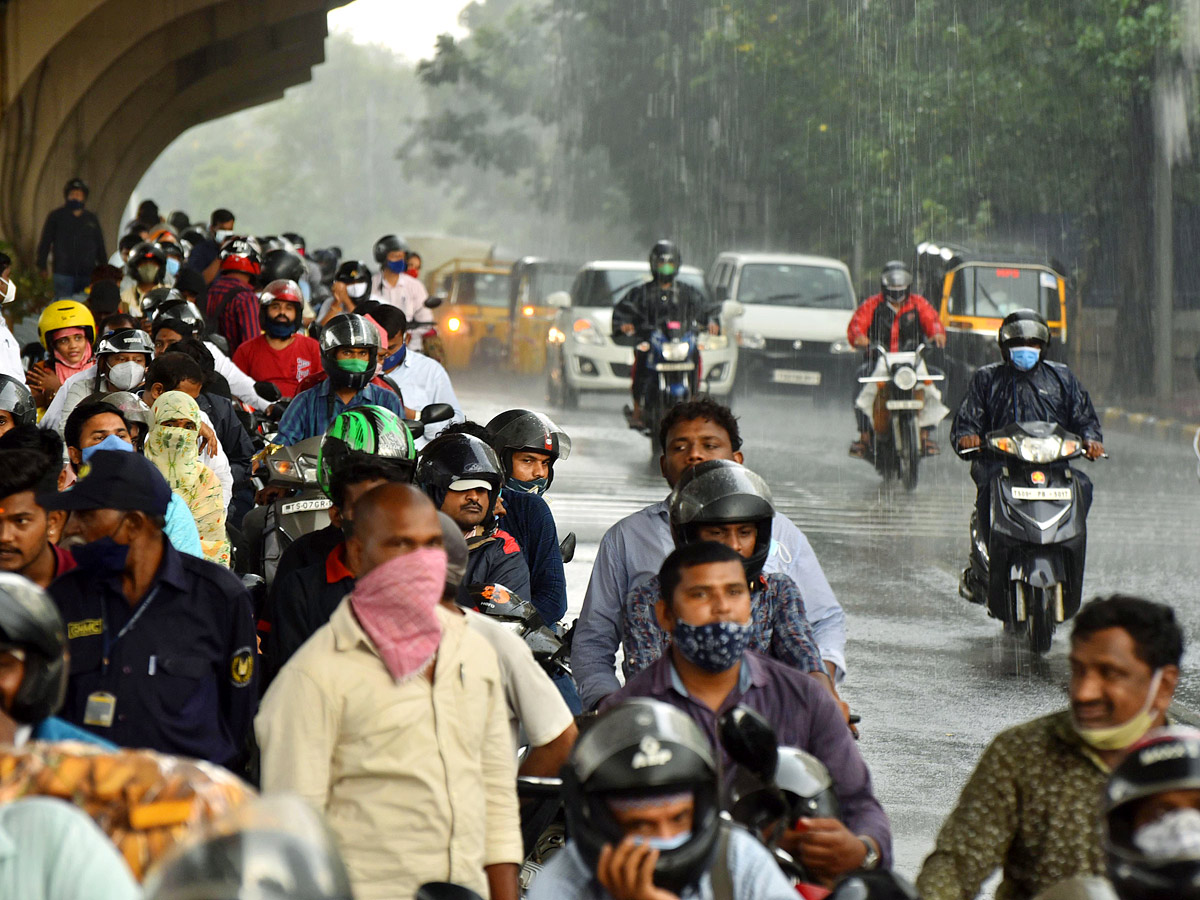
x=137 y=614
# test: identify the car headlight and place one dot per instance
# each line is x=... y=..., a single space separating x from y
x=586 y=333
x=555 y=335
x=675 y=351
x=713 y=342
x=751 y=340
x=905 y=378
x=842 y=347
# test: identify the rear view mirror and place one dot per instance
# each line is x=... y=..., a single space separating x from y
x=435 y=301
x=268 y=391
x=750 y=740
x=731 y=309
x=559 y=300
x=567 y=547
x=436 y=412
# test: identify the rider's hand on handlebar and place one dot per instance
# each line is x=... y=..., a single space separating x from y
x=862 y=341
x=939 y=340
x=970 y=442
x=627 y=872
x=1093 y=450
x=825 y=846
x=628 y=328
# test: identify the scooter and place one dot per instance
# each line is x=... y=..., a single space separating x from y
x=895 y=434
x=519 y=616
x=673 y=355
x=1030 y=572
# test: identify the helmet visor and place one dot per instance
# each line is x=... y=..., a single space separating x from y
x=897 y=279
x=1023 y=331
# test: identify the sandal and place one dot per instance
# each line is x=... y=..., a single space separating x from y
x=929 y=447
x=859 y=450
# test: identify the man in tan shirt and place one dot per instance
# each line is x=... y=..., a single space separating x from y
x=391 y=720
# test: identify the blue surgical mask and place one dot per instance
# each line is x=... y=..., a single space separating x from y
x=172 y=266
x=1024 y=358
x=74 y=205
x=714 y=647
x=664 y=844
x=395 y=359
x=398 y=266
x=112 y=442
x=104 y=556
x=537 y=486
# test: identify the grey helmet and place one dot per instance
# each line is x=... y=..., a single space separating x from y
x=16 y=399
x=30 y=621
x=720 y=491
x=349 y=330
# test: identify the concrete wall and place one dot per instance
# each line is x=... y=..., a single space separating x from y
x=1093 y=344
x=98 y=88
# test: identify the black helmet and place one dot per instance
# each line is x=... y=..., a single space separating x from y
x=354 y=272
x=1020 y=327
x=665 y=256
x=179 y=315
x=297 y=241
x=127 y=340
x=806 y=786
x=29 y=621
x=722 y=492
x=881 y=884
x=274 y=848
x=147 y=254
x=281 y=263
x=450 y=458
x=389 y=243
x=159 y=299
x=643 y=747
x=327 y=260
x=76 y=184
x=895 y=281
x=281 y=289
x=349 y=330
x=16 y=399
x=1167 y=759
x=524 y=429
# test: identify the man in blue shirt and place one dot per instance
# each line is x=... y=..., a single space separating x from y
x=163 y=649
x=349 y=354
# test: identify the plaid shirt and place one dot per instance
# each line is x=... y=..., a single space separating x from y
x=781 y=628
x=239 y=320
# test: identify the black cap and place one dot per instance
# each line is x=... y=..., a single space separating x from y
x=114 y=479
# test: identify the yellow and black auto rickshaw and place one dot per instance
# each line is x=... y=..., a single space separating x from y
x=473 y=318
x=975 y=291
x=533 y=279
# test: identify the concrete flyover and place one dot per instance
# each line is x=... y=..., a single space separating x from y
x=98 y=88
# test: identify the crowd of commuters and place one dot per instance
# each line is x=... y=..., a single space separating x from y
x=386 y=720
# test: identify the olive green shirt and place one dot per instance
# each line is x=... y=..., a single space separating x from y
x=1032 y=807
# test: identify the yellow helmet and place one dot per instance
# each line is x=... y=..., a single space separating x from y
x=66 y=314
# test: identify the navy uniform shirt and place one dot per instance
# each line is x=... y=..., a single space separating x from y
x=184 y=676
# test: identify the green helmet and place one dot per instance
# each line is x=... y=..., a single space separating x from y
x=364 y=432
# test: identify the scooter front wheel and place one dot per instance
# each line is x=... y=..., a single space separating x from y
x=909 y=452
x=1039 y=603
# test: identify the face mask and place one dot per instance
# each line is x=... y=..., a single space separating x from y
x=1118 y=737
x=397 y=266
x=172 y=266
x=665 y=843
x=1174 y=835
x=10 y=292
x=666 y=270
x=356 y=291
x=356 y=366
x=537 y=486
x=126 y=376
x=104 y=556
x=147 y=273
x=396 y=605
x=714 y=647
x=74 y=205
x=395 y=359
x=112 y=442
x=220 y=234
x=280 y=329
x=1024 y=358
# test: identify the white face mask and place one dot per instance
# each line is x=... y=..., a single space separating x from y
x=1173 y=835
x=356 y=291
x=220 y=234
x=126 y=376
x=10 y=291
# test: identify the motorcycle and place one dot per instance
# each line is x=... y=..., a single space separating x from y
x=299 y=506
x=895 y=433
x=673 y=355
x=1030 y=572
x=519 y=616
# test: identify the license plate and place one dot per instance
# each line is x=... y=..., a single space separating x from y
x=675 y=367
x=796 y=376
x=1024 y=493
x=305 y=505
x=906 y=404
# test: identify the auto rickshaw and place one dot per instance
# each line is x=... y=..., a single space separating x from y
x=976 y=290
x=473 y=319
x=533 y=280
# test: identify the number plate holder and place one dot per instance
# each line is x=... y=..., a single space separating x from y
x=311 y=505
x=1026 y=493
x=905 y=404
x=674 y=367
x=796 y=376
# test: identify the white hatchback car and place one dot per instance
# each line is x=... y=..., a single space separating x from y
x=582 y=355
x=795 y=313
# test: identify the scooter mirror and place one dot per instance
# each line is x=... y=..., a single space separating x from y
x=435 y=301
x=750 y=740
x=444 y=890
x=268 y=391
x=436 y=412
x=567 y=547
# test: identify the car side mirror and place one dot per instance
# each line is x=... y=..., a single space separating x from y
x=731 y=309
x=435 y=301
x=567 y=547
x=436 y=412
x=559 y=300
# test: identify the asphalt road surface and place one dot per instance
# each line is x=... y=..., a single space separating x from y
x=932 y=676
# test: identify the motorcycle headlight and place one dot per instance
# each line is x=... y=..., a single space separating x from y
x=1070 y=448
x=675 y=351
x=713 y=342
x=905 y=378
x=842 y=347
x=586 y=333
x=1040 y=450
x=751 y=340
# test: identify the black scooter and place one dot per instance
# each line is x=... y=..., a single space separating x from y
x=1030 y=572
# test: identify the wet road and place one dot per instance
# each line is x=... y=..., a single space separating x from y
x=932 y=676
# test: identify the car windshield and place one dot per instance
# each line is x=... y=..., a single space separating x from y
x=994 y=291
x=546 y=280
x=605 y=287
x=811 y=287
x=482 y=288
